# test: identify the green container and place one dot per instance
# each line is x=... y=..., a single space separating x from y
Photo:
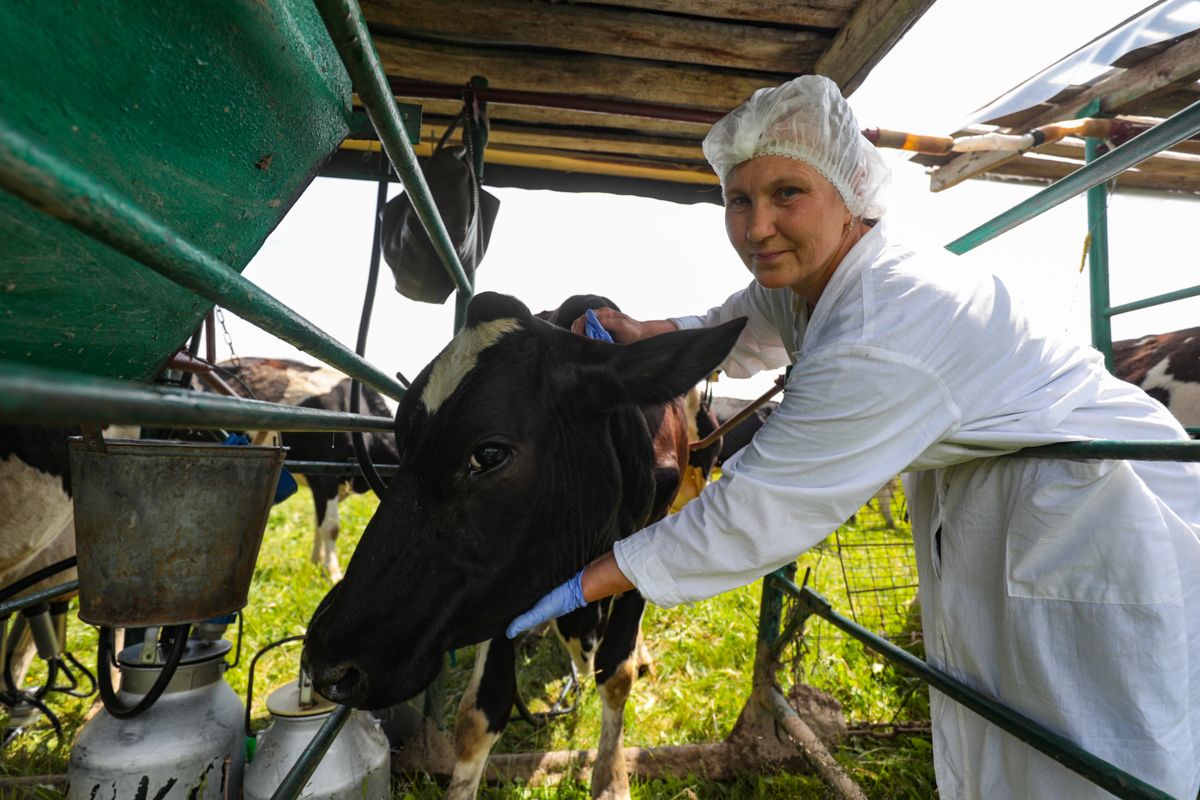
x=212 y=116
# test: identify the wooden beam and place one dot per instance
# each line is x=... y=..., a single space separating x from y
x=594 y=164
x=586 y=75
x=1115 y=92
x=583 y=121
x=1047 y=170
x=573 y=141
x=1167 y=162
x=600 y=31
x=821 y=14
x=875 y=27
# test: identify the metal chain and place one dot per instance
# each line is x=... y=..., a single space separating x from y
x=233 y=356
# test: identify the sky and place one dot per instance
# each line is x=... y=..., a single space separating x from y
x=658 y=259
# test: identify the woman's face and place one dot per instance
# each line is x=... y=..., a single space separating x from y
x=787 y=222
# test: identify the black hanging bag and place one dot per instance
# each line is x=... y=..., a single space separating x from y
x=467 y=211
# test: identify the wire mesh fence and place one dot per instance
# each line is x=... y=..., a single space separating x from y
x=867 y=571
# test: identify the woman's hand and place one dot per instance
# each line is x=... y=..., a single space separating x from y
x=624 y=328
x=563 y=600
x=600 y=579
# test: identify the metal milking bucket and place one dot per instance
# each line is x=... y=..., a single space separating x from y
x=168 y=532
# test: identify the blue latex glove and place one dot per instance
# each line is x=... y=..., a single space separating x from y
x=593 y=328
x=563 y=600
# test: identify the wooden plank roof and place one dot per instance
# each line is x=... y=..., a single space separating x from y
x=1152 y=76
x=590 y=94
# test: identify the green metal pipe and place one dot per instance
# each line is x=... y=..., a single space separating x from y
x=40 y=596
x=1157 y=300
x=344 y=20
x=44 y=396
x=54 y=186
x=1169 y=132
x=1097 y=208
x=770 y=610
x=794 y=627
x=1147 y=450
x=1057 y=747
x=347 y=469
x=293 y=783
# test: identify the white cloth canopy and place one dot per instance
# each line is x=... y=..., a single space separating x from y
x=1069 y=590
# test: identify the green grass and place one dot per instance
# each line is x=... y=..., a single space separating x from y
x=703 y=660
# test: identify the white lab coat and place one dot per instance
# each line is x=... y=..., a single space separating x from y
x=1069 y=590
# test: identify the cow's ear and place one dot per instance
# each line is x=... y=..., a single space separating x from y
x=663 y=367
x=488 y=306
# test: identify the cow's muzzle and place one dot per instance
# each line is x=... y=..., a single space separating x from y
x=342 y=683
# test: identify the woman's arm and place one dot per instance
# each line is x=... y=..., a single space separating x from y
x=624 y=328
x=603 y=578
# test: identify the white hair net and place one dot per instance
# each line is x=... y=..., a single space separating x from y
x=807 y=119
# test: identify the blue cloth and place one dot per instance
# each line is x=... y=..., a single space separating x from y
x=593 y=328
x=287 y=485
x=563 y=600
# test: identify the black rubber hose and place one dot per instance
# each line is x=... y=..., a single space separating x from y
x=86 y=672
x=36 y=577
x=37 y=694
x=103 y=656
x=250 y=680
x=377 y=484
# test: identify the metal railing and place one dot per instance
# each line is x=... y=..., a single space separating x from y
x=1063 y=750
x=1091 y=178
x=1169 y=132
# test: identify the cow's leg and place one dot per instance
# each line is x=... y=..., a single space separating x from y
x=616 y=668
x=324 y=554
x=579 y=633
x=482 y=715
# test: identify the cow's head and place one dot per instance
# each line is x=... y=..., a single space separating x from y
x=523 y=457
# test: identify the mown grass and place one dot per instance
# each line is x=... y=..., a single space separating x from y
x=703 y=661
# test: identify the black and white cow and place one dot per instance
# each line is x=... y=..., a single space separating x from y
x=280 y=380
x=1167 y=367
x=526 y=451
x=35 y=495
x=37 y=521
x=737 y=437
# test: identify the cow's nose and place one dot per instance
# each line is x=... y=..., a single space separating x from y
x=341 y=683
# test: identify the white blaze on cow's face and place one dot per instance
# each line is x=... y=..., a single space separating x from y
x=459 y=358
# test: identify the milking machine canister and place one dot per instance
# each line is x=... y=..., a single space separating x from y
x=357 y=765
x=188 y=743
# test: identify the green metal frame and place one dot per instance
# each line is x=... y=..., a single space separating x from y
x=1057 y=747
x=1097 y=210
x=1169 y=132
x=348 y=29
x=58 y=188
x=48 y=397
x=1092 y=177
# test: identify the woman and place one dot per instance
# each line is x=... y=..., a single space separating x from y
x=1064 y=588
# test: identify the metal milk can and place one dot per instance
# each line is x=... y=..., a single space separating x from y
x=189 y=744
x=357 y=765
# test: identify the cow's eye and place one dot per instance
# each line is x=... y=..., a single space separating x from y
x=488 y=455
